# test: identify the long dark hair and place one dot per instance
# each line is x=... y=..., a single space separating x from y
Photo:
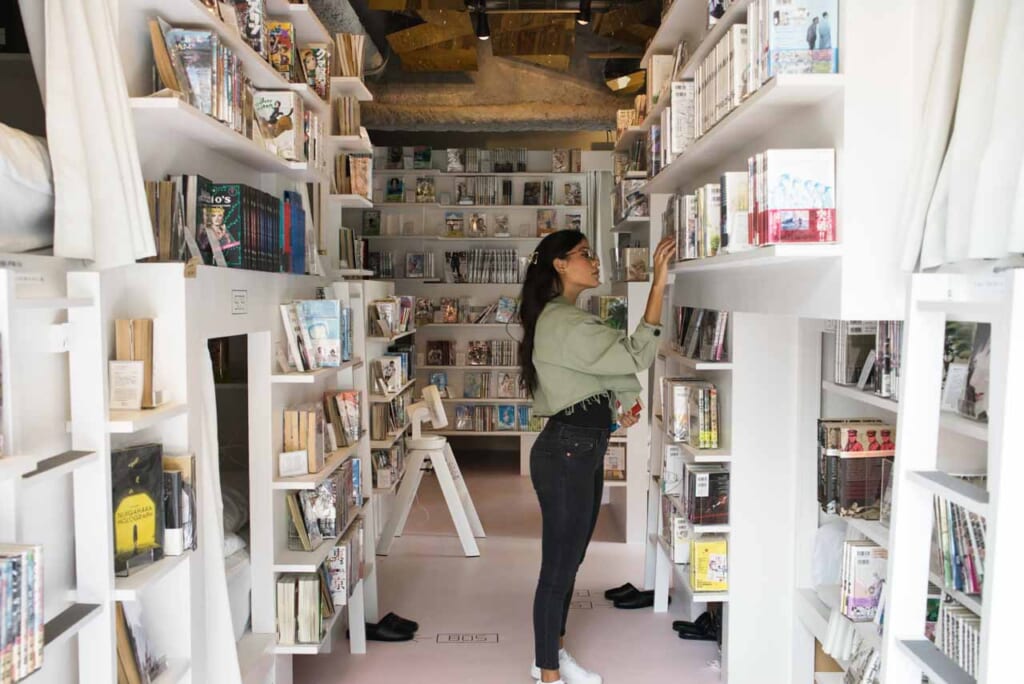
x=541 y=285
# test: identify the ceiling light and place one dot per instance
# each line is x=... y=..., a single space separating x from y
x=480 y=24
x=583 y=16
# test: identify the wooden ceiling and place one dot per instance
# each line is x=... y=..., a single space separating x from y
x=446 y=40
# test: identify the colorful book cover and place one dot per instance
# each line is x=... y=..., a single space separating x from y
x=506 y=417
x=222 y=217
x=545 y=222
x=395 y=190
x=322 y=320
x=478 y=353
x=454 y=222
x=194 y=50
x=421 y=157
x=525 y=414
x=508 y=385
x=474 y=386
x=507 y=308
x=138 y=504
x=439 y=379
x=346 y=334
x=279 y=115
x=251 y=16
x=803 y=37
x=463 y=417
x=709 y=564
x=316 y=69
x=281 y=43
x=800 y=204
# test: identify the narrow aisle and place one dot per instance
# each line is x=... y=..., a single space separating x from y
x=475 y=613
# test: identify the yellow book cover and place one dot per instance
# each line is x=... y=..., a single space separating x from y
x=709 y=564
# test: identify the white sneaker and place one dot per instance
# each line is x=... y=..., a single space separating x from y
x=570 y=670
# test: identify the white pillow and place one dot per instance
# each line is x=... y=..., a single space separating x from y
x=26 y=192
x=233 y=544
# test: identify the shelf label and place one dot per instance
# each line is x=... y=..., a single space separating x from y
x=239 y=302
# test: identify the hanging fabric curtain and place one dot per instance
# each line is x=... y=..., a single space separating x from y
x=220 y=636
x=100 y=208
x=967 y=206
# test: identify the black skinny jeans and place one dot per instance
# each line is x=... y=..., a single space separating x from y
x=567 y=469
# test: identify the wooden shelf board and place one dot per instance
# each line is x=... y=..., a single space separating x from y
x=971 y=602
x=934 y=663
x=310 y=377
x=769 y=255
x=350 y=86
x=694 y=364
x=350 y=201
x=128 y=422
x=310 y=481
x=68 y=622
x=391 y=396
x=130 y=588
x=774 y=102
x=872 y=529
x=971 y=497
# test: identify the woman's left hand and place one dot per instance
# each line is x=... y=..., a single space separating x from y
x=628 y=420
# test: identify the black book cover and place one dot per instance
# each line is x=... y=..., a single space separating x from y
x=138 y=505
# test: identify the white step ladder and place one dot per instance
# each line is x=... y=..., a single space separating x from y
x=996 y=298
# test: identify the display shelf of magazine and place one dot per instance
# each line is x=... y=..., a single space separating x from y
x=350 y=86
x=156 y=118
x=313 y=376
x=775 y=101
x=195 y=14
x=308 y=27
x=628 y=137
x=627 y=224
x=312 y=480
x=681 y=571
x=391 y=396
x=130 y=588
x=438 y=173
x=129 y=422
x=349 y=201
x=952 y=422
x=319 y=647
x=767 y=255
x=694 y=364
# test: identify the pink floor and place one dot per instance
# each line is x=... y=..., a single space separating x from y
x=474 y=613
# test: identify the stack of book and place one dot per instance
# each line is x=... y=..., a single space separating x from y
x=691 y=412
x=350 y=53
x=304 y=607
x=705 y=494
x=348 y=116
x=391 y=316
x=317 y=334
x=720 y=80
x=958 y=545
x=304 y=440
x=483 y=266
x=148 y=523
x=386 y=419
x=862 y=577
x=343 y=409
x=344 y=565
x=353 y=175
x=21 y=611
x=701 y=333
x=959 y=636
x=388 y=466
x=500 y=417
x=791 y=195
x=851 y=456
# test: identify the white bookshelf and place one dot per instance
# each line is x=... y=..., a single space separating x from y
x=308 y=27
x=130 y=588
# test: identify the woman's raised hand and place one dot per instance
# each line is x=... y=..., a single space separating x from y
x=662 y=257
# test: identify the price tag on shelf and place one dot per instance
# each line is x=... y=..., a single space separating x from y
x=239 y=302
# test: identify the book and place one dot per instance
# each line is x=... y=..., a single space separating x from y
x=279 y=115
x=133 y=341
x=797 y=203
x=507 y=310
x=281 y=46
x=138 y=506
x=615 y=462
x=524 y=417
x=22 y=619
x=316 y=68
x=414 y=264
x=421 y=157
x=456 y=160
x=803 y=37
x=546 y=222
x=185 y=466
x=395 y=191
x=454 y=224
x=476 y=385
x=425 y=190
x=506 y=417
x=531 y=193
x=976 y=391
x=252 y=23
x=572 y=194
x=439 y=379
x=478 y=353
x=371 y=222
x=508 y=385
x=709 y=564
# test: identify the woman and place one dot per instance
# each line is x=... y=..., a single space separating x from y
x=582 y=375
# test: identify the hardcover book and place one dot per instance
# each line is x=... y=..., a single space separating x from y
x=803 y=36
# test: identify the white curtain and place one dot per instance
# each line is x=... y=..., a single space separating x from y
x=100 y=209
x=221 y=662
x=963 y=199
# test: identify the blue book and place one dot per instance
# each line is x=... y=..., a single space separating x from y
x=524 y=417
x=346 y=334
x=506 y=417
x=439 y=379
x=322 y=320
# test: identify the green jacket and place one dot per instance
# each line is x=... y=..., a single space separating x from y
x=577 y=356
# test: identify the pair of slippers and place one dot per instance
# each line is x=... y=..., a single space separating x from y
x=704 y=628
x=629 y=597
x=391 y=627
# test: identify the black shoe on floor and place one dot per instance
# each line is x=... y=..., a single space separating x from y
x=641 y=599
x=701 y=625
x=399 y=623
x=381 y=632
x=619 y=593
x=693 y=636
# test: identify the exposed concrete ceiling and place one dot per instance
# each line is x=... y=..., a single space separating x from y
x=538 y=82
